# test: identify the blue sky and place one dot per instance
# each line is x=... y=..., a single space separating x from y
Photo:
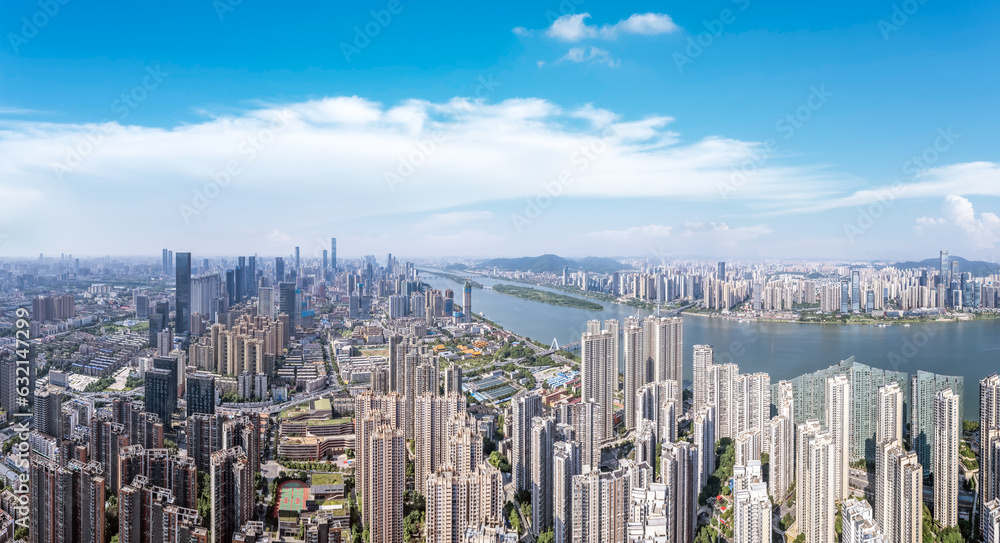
x=677 y=129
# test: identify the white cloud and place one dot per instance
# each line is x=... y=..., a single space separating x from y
x=961 y=224
x=594 y=56
x=970 y=178
x=329 y=160
x=574 y=27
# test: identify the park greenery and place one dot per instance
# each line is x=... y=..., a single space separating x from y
x=545 y=297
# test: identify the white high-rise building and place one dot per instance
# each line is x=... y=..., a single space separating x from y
x=599 y=373
x=678 y=469
x=753 y=403
x=991 y=524
x=890 y=414
x=723 y=394
x=703 y=437
x=655 y=402
x=785 y=400
x=565 y=465
x=542 y=429
x=947 y=430
x=648 y=515
x=668 y=353
x=814 y=482
x=838 y=422
x=704 y=358
x=898 y=508
x=525 y=406
x=587 y=422
x=779 y=450
x=600 y=506
x=752 y=518
x=431 y=416
x=989 y=433
x=645 y=443
x=635 y=369
x=748 y=446
x=858 y=525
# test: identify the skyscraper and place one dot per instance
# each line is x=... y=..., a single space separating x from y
x=859 y=523
x=232 y=493
x=587 y=422
x=947 y=431
x=678 y=469
x=856 y=291
x=752 y=517
x=781 y=443
x=265 y=302
x=723 y=394
x=703 y=437
x=453 y=379
x=161 y=392
x=457 y=501
x=838 y=417
x=600 y=504
x=525 y=407
x=542 y=429
x=704 y=358
x=565 y=465
x=898 y=493
x=814 y=482
x=431 y=416
x=467 y=301
x=924 y=387
x=333 y=254
x=182 y=316
x=945 y=276
x=810 y=400
x=298 y=263
x=634 y=369
x=66 y=502
x=991 y=522
x=890 y=414
x=989 y=443
x=599 y=373
x=668 y=354
x=200 y=393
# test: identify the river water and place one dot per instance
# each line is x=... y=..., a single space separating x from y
x=783 y=350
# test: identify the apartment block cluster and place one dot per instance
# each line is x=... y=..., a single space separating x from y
x=81 y=456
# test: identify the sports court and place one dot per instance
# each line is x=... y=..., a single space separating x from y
x=292 y=496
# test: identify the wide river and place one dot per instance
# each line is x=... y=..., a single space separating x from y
x=783 y=350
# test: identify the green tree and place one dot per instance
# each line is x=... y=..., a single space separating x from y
x=950 y=535
x=111 y=515
x=515 y=521
x=499 y=461
x=548 y=536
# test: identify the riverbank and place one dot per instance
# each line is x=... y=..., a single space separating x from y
x=545 y=297
x=883 y=321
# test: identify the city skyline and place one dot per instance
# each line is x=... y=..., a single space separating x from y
x=289 y=272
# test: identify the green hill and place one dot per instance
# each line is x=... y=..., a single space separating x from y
x=977 y=268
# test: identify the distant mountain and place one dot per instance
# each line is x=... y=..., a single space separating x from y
x=554 y=264
x=977 y=268
x=456 y=266
x=600 y=264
